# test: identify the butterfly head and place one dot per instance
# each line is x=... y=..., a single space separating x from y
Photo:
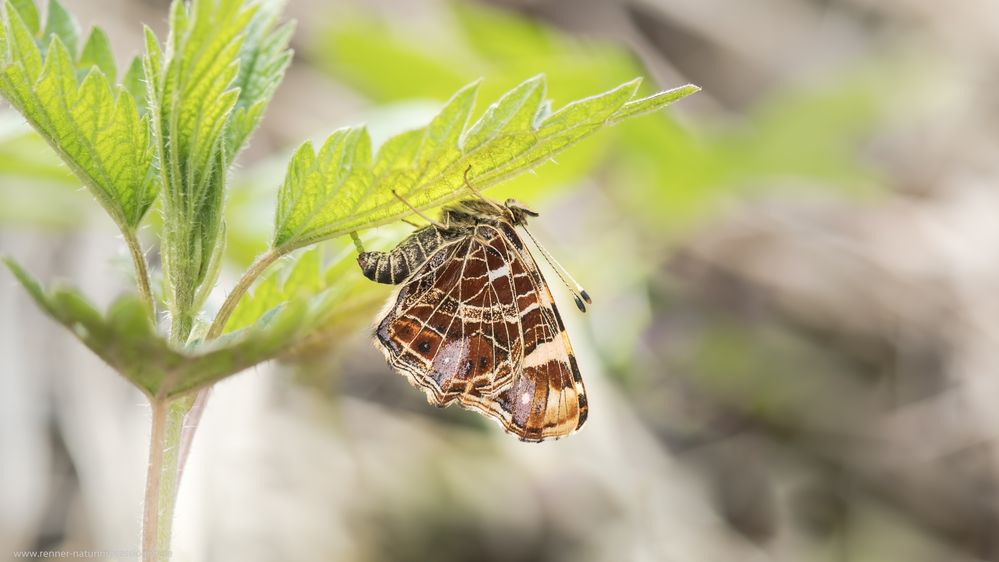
x=518 y=212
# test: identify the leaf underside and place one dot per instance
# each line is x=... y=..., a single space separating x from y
x=126 y=340
x=328 y=269
x=342 y=188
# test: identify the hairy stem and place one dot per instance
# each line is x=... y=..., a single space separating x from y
x=162 y=478
x=141 y=272
x=255 y=270
x=151 y=506
x=174 y=425
x=165 y=459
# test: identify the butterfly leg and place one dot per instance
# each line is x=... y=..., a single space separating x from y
x=478 y=194
x=418 y=212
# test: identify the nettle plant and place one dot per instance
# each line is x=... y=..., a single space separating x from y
x=170 y=128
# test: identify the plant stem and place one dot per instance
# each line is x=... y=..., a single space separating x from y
x=141 y=272
x=165 y=458
x=151 y=505
x=174 y=424
x=255 y=270
x=162 y=478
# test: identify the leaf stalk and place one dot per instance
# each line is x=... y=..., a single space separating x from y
x=141 y=272
x=258 y=267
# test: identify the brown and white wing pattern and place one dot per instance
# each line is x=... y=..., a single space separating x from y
x=476 y=324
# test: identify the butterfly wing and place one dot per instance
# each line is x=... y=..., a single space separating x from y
x=548 y=399
x=446 y=331
x=477 y=324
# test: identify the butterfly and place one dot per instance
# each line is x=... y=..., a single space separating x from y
x=474 y=322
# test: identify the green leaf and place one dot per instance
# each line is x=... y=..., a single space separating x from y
x=29 y=14
x=592 y=110
x=134 y=83
x=152 y=66
x=198 y=87
x=654 y=102
x=391 y=63
x=20 y=46
x=263 y=60
x=339 y=190
x=517 y=109
x=97 y=52
x=127 y=341
x=192 y=93
x=440 y=144
x=697 y=167
x=60 y=23
x=33 y=287
x=327 y=278
x=316 y=183
x=95 y=129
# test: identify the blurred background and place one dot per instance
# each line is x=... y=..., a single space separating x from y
x=791 y=355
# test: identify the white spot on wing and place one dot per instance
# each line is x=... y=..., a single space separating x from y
x=521 y=393
x=502 y=271
x=448 y=358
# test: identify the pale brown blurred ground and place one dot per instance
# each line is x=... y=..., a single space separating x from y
x=816 y=378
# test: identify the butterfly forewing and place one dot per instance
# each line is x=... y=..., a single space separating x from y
x=476 y=323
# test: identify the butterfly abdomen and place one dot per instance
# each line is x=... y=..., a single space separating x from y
x=395 y=266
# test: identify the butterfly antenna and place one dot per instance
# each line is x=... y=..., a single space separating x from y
x=417 y=211
x=479 y=194
x=578 y=292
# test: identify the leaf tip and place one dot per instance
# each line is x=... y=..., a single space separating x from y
x=688 y=89
x=15 y=268
x=33 y=287
x=470 y=89
x=10 y=263
x=306 y=148
x=150 y=36
x=632 y=84
x=536 y=81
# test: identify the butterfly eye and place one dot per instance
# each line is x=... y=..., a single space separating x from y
x=483 y=362
x=423 y=346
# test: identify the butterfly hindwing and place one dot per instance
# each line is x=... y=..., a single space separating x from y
x=547 y=399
